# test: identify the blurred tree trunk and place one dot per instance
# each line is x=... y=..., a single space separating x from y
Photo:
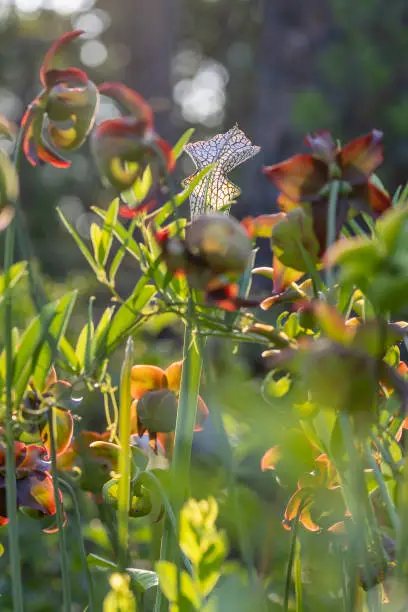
x=148 y=29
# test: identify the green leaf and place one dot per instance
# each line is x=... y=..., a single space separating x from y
x=97 y=561
x=129 y=313
x=80 y=349
x=121 y=234
x=276 y=386
x=101 y=333
x=106 y=238
x=121 y=252
x=139 y=190
x=167 y=209
x=96 y=235
x=56 y=330
x=143 y=579
x=82 y=247
x=296 y=226
x=184 y=139
x=68 y=352
x=17 y=271
x=32 y=338
x=167 y=575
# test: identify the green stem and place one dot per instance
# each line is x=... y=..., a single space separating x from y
x=331 y=227
x=85 y=567
x=66 y=584
x=124 y=458
x=11 y=484
x=392 y=513
x=180 y=464
x=291 y=559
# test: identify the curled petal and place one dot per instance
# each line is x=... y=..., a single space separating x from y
x=34 y=147
x=168 y=159
x=133 y=102
x=53 y=52
x=31 y=457
x=378 y=200
x=283 y=276
x=147 y=378
x=262 y=226
x=64 y=427
x=307 y=521
x=105 y=452
x=300 y=178
x=37 y=492
x=70 y=76
x=271 y=458
x=78 y=106
x=360 y=157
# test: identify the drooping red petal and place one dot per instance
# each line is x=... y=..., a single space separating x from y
x=300 y=178
x=53 y=52
x=64 y=425
x=378 y=200
x=283 y=276
x=37 y=492
x=46 y=154
x=70 y=76
x=360 y=157
x=167 y=152
x=130 y=213
x=32 y=122
x=33 y=145
x=131 y=100
x=31 y=459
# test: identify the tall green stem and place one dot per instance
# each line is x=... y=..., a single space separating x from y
x=66 y=583
x=186 y=417
x=11 y=484
x=331 y=227
x=124 y=458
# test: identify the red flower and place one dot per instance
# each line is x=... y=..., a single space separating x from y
x=124 y=147
x=306 y=178
x=68 y=101
x=35 y=491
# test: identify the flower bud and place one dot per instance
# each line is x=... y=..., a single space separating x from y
x=221 y=242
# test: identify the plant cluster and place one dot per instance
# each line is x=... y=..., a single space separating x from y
x=331 y=338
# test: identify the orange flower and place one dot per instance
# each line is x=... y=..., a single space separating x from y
x=318 y=488
x=318 y=491
x=69 y=101
x=154 y=409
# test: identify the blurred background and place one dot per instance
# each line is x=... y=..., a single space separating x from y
x=278 y=68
